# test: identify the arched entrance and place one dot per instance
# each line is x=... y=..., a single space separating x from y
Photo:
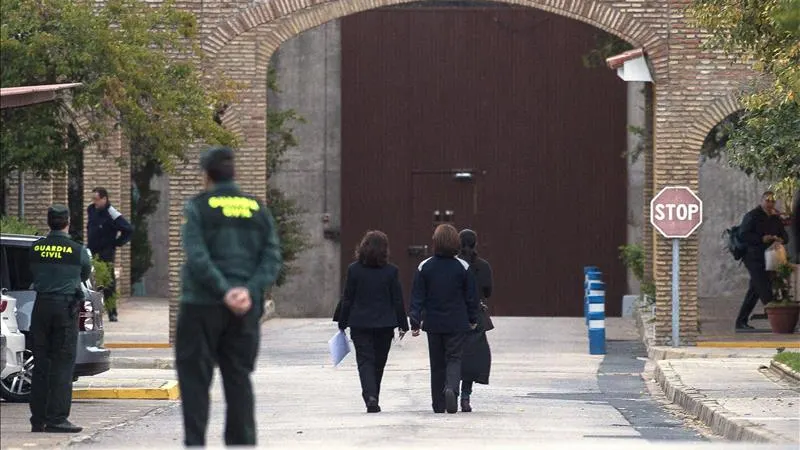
x=240 y=40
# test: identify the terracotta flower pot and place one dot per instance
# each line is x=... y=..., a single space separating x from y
x=783 y=318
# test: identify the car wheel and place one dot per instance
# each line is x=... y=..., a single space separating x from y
x=17 y=386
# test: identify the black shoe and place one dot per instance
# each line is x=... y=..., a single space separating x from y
x=112 y=315
x=450 y=401
x=38 y=428
x=63 y=427
x=372 y=405
x=743 y=327
x=438 y=411
x=465 y=406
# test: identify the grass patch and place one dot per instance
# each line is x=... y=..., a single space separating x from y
x=791 y=359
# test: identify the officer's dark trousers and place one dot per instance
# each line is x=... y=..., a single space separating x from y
x=760 y=287
x=54 y=334
x=208 y=336
x=372 y=350
x=444 y=351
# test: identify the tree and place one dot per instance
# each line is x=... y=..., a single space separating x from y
x=280 y=138
x=139 y=65
x=764 y=140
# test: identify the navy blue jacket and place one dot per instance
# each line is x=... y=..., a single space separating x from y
x=755 y=225
x=444 y=298
x=107 y=230
x=372 y=298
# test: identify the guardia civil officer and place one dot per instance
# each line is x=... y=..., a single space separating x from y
x=232 y=257
x=58 y=265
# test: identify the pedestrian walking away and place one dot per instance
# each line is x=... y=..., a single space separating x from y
x=232 y=259
x=58 y=265
x=372 y=306
x=444 y=304
x=761 y=228
x=476 y=361
x=107 y=229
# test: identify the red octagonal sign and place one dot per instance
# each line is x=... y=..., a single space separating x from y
x=676 y=212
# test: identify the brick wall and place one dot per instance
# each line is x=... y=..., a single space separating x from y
x=692 y=90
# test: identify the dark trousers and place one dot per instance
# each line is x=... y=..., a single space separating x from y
x=54 y=334
x=111 y=289
x=466 y=388
x=372 y=350
x=444 y=351
x=760 y=287
x=208 y=336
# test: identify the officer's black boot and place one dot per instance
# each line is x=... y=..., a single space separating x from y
x=63 y=427
x=112 y=315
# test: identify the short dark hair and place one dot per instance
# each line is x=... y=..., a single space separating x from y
x=374 y=249
x=57 y=222
x=767 y=194
x=446 y=241
x=101 y=191
x=221 y=171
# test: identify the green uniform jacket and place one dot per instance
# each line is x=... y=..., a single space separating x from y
x=230 y=240
x=59 y=264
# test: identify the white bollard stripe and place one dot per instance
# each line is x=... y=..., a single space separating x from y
x=597 y=293
x=597 y=307
x=597 y=324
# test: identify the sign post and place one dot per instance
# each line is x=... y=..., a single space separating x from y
x=676 y=212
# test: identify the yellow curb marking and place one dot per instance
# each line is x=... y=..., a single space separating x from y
x=137 y=345
x=749 y=344
x=168 y=391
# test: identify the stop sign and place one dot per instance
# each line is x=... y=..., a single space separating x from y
x=676 y=212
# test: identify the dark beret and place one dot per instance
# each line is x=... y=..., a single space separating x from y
x=58 y=211
x=214 y=156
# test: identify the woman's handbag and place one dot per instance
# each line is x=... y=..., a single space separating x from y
x=484 y=318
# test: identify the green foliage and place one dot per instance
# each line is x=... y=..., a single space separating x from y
x=280 y=138
x=782 y=285
x=606 y=45
x=633 y=258
x=138 y=63
x=764 y=140
x=791 y=359
x=103 y=277
x=12 y=225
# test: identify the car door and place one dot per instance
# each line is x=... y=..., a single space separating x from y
x=20 y=280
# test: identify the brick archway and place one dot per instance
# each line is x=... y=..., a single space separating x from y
x=289 y=19
x=692 y=87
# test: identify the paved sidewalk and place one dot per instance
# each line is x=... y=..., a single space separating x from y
x=731 y=390
x=740 y=398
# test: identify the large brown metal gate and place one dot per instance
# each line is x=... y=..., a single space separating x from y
x=487 y=113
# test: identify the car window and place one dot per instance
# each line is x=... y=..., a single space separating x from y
x=19 y=268
x=5 y=283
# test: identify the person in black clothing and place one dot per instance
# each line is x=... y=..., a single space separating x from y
x=760 y=228
x=444 y=303
x=107 y=229
x=476 y=362
x=58 y=266
x=372 y=306
x=796 y=226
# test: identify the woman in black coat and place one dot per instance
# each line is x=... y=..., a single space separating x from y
x=476 y=362
x=372 y=306
x=445 y=305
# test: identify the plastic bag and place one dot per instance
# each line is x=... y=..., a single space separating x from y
x=775 y=256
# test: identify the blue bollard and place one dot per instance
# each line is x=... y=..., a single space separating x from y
x=589 y=277
x=597 y=324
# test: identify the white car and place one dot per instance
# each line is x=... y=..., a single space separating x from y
x=19 y=360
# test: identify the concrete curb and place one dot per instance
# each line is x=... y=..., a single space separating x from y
x=167 y=391
x=138 y=362
x=709 y=411
x=784 y=371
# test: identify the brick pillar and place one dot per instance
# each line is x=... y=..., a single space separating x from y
x=251 y=158
x=107 y=164
x=674 y=163
x=38 y=197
